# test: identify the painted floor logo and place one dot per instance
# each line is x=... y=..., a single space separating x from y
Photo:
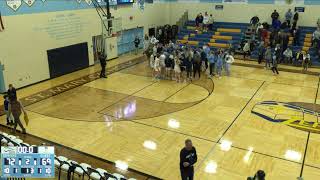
x=302 y=116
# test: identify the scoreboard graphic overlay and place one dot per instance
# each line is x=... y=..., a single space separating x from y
x=27 y=162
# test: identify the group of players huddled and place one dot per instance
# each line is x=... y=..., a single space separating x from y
x=184 y=63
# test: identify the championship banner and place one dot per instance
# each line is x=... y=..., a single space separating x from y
x=88 y=2
x=236 y=1
x=14 y=4
x=29 y=2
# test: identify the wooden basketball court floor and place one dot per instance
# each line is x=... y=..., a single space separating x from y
x=112 y=118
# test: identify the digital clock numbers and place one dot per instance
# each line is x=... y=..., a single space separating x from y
x=29 y=162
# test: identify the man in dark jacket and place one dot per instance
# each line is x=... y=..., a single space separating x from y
x=12 y=92
x=103 y=63
x=188 y=157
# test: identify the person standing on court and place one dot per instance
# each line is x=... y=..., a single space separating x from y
x=188 y=157
x=16 y=109
x=229 y=60
x=103 y=63
x=12 y=92
x=136 y=44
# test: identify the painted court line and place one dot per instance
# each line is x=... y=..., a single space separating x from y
x=213 y=147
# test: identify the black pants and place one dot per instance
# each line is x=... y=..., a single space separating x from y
x=196 y=69
x=212 y=68
x=18 y=122
x=288 y=22
x=103 y=70
x=260 y=58
x=246 y=54
x=275 y=70
x=189 y=72
x=187 y=174
x=206 y=63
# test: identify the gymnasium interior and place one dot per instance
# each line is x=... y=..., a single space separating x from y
x=132 y=123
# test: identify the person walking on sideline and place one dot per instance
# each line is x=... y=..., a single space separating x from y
x=103 y=64
x=188 y=157
x=16 y=108
x=229 y=61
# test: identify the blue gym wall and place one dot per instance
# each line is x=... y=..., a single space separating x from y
x=43 y=7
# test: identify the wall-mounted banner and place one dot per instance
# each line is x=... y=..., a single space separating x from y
x=289 y=1
x=79 y=1
x=299 y=9
x=14 y=4
x=29 y=2
x=236 y=1
x=219 y=7
x=89 y=2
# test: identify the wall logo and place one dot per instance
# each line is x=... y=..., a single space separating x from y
x=88 y=2
x=29 y=2
x=302 y=116
x=14 y=4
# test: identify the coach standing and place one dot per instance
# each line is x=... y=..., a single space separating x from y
x=103 y=63
x=188 y=157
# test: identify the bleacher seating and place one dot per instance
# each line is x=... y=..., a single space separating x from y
x=63 y=163
x=305 y=44
x=222 y=35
